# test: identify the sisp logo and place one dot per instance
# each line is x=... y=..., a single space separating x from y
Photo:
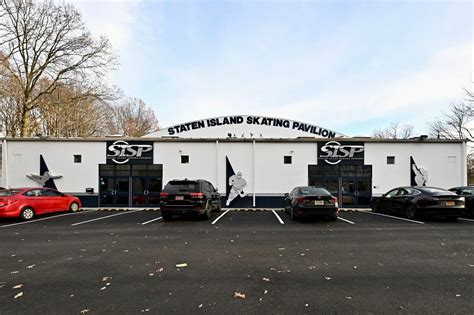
x=333 y=152
x=121 y=151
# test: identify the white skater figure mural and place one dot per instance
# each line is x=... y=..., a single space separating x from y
x=237 y=183
x=419 y=176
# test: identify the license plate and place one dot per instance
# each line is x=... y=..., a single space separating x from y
x=179 y=198
x=319 y=202
x=450 y=203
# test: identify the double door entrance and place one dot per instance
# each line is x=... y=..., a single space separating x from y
x=130 y=185
x=350 y=183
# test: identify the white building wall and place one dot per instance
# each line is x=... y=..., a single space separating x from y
x=202 y=160
x=443 y=161
x=273 y=177
x=24 y=158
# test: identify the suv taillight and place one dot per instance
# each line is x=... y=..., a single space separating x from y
x=199 y=195
x=164 y=195
x=336 y=201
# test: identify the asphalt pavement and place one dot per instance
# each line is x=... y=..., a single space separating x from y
x=123 y=262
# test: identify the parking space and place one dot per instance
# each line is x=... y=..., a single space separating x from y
x=227 y=217
x=127 y=260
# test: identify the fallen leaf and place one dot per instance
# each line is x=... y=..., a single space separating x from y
x=30 y=267
x=19 y=295
x=160 y=270
x=105 y=279
x=265 y=292
x=200 y=306
x=85 y=311
x=183 y=265
x=18 y=286
x=458 y=295
x=239 y=295
x=103 y=288
x=266 y=279
x=13 y=272
x=151 y=274
x=327 y=278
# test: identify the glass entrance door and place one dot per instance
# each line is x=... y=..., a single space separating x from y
x=350 y=183
x=130 y=185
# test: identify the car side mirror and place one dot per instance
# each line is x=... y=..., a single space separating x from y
x=286 y=195
x=216 y=190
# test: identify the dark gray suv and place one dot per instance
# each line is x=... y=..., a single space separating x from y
x=185 y=196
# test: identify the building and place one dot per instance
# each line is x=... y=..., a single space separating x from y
x=270 y=156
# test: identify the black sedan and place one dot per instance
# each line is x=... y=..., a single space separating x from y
x=468 y=193
x=417 y=202
x=310 y=201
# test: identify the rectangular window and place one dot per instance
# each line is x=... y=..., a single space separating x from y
x=287 y=159
x=77 y=158
x=184 y=159
x=390 y=160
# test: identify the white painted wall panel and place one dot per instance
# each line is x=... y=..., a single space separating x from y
x=24 y=158
x=202 y=160
x=443 y=162
x=275 y=177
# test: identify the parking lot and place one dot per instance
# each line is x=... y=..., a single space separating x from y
x=236 y=262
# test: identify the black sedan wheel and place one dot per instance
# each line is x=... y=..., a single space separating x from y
x=411 y=212
x=292 y=214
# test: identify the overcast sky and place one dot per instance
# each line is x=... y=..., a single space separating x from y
x=345 y=65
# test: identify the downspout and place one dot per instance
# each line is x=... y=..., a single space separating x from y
x=217 y=164
x=5 y=164
x=464 y=164
x=253 y=174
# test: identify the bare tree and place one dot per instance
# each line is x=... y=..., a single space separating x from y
x=46 y=46
x=133 y=118
x=455 y=124
x=394 y=131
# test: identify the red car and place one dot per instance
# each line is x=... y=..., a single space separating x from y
x=25 y=203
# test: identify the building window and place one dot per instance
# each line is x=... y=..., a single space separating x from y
x=184 y=159
x=390 y=160
x=77 y=158
x=287 y=159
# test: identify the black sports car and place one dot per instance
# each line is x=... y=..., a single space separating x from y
x=310 y=201
x=417 y=202
x=468 y=193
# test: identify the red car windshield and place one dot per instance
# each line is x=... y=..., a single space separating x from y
x=9 y=192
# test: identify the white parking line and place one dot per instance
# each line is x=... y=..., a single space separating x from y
x=278 y=217
x=43 y=219
x=345 y=220
x=463 y=219
x=218 y=218
x=153 y=220
x=107 y=216
x=389 y=216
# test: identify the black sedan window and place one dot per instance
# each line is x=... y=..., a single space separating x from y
x=466 y=191
x=435 y=191
x=304 y=191
x=392 y=193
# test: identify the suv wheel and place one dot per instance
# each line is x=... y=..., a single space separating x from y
x=207 y=214
x=166 y=216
